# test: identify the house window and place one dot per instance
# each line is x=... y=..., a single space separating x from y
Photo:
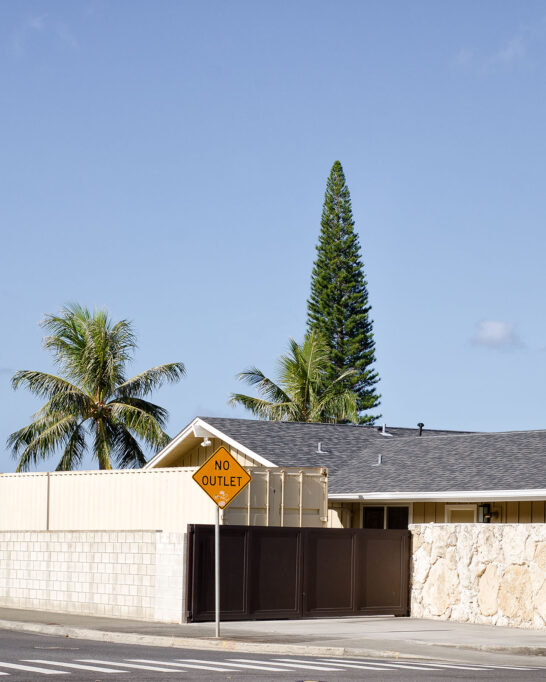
x=374 y=517
x=385 y=516
x=461 y=513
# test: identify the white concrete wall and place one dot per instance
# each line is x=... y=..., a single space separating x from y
x=480 y=573
x=126 y=574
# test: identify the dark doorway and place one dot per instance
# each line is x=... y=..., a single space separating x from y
x=298 y=572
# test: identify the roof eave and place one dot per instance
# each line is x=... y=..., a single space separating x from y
x=444 y=496
x=197 y=425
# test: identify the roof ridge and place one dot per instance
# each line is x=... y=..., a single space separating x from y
x=484 y=433
x=371 y=427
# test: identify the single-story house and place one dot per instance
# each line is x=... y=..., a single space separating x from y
x=387 y=478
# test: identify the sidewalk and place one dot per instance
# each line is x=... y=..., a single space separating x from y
x=376 y=636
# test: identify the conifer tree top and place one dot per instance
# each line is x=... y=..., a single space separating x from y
x=338 y=306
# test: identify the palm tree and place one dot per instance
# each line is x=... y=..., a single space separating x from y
x=303 y=392
x=92 y=400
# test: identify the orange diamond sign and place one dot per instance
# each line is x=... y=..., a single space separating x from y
x=222 y=477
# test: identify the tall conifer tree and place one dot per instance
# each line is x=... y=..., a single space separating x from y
x=338 y=306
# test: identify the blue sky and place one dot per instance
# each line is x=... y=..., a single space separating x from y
x=168 y=161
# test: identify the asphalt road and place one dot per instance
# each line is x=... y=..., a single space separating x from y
x=33 y=657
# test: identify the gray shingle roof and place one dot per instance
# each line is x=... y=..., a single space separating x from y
x=434 y=462
x=481 y=461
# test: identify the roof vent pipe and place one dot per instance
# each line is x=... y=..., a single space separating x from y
x=383 y=431
x=320 y=451
x=420 y=425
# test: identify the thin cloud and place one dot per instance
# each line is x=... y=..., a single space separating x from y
x=22 y=35
x=511 y=52
x=496 y=334
x=40 y=25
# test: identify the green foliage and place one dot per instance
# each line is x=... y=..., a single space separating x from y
x=338 y=307
x=305 y=391
x=92 y=400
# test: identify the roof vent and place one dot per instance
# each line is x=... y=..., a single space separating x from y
x=383 y=431
x=379 y=461
x=320 y=451
x=420 y=425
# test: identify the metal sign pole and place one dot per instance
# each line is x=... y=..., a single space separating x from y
x=217 y=569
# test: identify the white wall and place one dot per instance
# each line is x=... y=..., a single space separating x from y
x=126 y=574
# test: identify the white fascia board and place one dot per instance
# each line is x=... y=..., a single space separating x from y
x=238 y=446
x=196 y=428
x=446 y=496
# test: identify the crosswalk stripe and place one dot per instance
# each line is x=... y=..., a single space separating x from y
x=73 y=665
x=512 y=667
x=186 y=665
x=431 y=666
x=462 y=666
x=32 y=669
x=288 y=665
x=387 y=665
x=368 y=666
x=128 y=665
x=457 y=666
x=266 y=666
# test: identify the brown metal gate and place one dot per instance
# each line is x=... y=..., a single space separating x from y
x=271 y=572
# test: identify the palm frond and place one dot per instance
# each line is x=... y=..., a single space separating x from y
x=74 y=450
x=304 y=391
x=160 y=414
x=140 y=422
x=142 y=384
x=43 y=385
x=265 y=409
x=40 y=439
x=128 y=453
x=269 y=389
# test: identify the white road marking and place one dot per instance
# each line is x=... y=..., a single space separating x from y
x=387 y=665
x=127 y=665
x=73 y=665
x=32 y=669
x=185 y=665
x=431 y=666
x=462 y=666
x=291 y=664
x=266 y=666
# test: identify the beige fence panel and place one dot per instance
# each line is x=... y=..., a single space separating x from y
x=23 y=501
x=156 y=499
x=282 y=497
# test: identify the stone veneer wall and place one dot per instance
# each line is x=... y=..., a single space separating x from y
x=127 y=574
x=480 y=573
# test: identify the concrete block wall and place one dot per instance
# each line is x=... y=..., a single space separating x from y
x=126 y=574
x=480 y=573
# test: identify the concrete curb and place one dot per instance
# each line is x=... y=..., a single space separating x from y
x=255 y=647
x=491 y=648
x=203 y=643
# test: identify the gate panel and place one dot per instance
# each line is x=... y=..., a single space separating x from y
x=382 y=572
x=328 y=571
x=275 y=573
x=271 y=572
x=233 y=577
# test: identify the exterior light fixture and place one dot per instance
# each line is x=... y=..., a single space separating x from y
x=485 y=514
